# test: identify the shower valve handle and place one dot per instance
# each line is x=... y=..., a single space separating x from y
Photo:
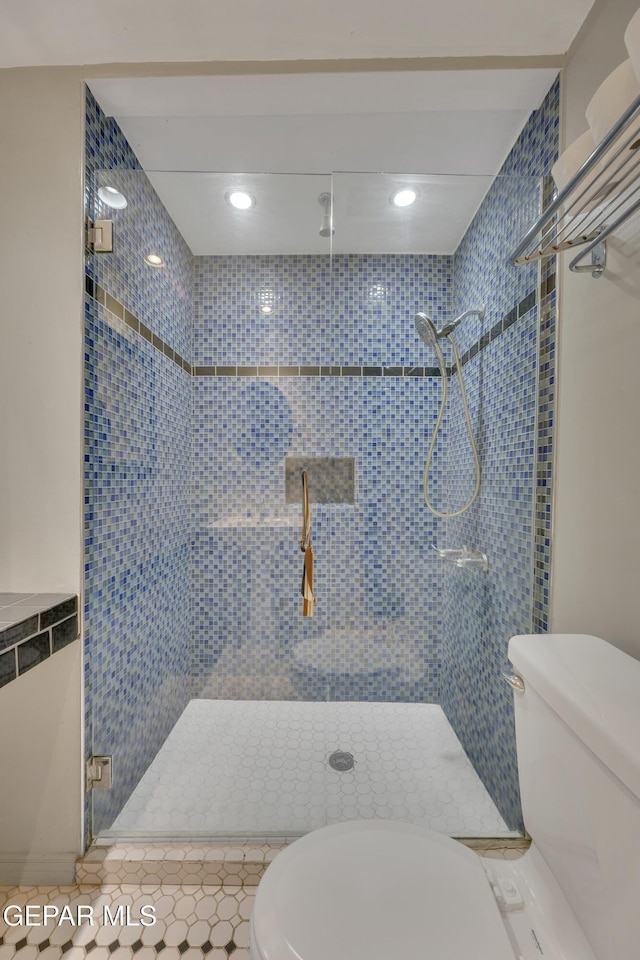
x=448 y=554
x=464 y=557
x=474 y=560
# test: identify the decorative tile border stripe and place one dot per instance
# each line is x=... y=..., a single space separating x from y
x=544 y=457
x=114 y=306
x=236 y=865
x=315 y=371
x=95 y=291
x=526 y=304
x=30 y=642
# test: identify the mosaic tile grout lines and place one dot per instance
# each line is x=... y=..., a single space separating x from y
x=149 y=430
x=114 y=307
x=137 y=452
x=507 y=408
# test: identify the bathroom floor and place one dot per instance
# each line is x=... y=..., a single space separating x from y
x=194 y=922
x=260 y=768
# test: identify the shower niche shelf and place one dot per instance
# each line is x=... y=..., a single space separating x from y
x=596 y=202
x=252 y=523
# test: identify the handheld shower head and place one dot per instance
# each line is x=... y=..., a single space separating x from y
x=426 y=329
x=429 y=333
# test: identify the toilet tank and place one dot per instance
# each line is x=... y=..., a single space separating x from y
x=578 y=744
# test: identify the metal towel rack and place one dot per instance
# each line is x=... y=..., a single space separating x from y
x=591 y=208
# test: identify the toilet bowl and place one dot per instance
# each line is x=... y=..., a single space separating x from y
x=376 y=889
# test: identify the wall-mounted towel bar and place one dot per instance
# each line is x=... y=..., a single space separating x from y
x=596 y=202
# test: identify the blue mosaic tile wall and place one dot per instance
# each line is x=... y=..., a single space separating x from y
x=161 y=297
x=392 y=621
x=345 y=309
x=376 y=632
x=137 y=465
x=481 y=612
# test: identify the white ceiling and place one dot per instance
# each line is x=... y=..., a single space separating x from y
x=199 y=136
x=402 y=122
x=453 y=121
x=288 y=215
x=317 y=93
x=38 y=32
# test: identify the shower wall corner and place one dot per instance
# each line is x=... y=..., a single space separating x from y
x=137 y=462
x=508 y=365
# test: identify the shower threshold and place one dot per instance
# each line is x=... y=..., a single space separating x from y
x=239 y=770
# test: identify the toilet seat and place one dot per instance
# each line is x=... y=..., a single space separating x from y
x=361 y=891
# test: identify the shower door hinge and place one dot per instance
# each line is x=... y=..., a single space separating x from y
x=100 y=236
x=99 y=773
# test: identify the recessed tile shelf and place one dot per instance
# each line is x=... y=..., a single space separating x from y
x=33 y=626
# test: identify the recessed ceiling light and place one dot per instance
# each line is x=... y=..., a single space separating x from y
x=404 y=197
x=112 y=197
x=266 y=308
x=154 y=260
x=240 y=199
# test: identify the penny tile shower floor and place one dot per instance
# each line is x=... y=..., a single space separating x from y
x=242 y=768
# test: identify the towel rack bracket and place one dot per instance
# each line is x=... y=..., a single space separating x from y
x=598 y=261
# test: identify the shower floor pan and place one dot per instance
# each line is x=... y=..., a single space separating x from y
x=239 y=768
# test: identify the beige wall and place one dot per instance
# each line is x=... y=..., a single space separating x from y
x=40 y=786
x=41 y=157
x=596 y=538
x=41 y=330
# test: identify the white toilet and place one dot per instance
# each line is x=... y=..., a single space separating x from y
x=377 y=890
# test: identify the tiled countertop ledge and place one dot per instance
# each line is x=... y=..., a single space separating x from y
x=33 y=626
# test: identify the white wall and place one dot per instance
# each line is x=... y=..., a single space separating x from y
x=41 y=157
x=596 y=538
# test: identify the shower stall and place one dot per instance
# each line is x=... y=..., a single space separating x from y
x=219 y=367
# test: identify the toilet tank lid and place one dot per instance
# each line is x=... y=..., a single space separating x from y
x=594 y=687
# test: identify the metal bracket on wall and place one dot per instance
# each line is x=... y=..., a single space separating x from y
x=99 y=773
x=598 y=261
x=100 y=236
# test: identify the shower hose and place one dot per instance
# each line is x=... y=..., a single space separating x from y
x=465 y=406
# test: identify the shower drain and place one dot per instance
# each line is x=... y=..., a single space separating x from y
x=341 y=760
